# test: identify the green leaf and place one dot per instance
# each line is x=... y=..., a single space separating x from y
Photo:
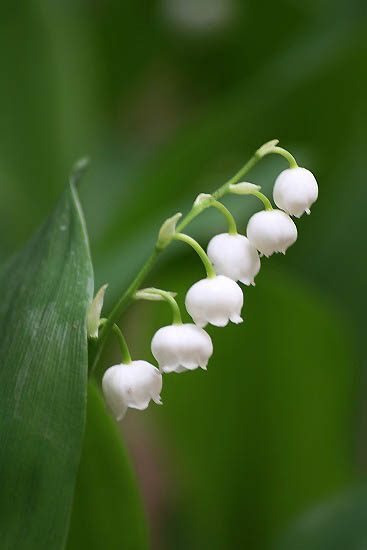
x=44 y=294
x=339 y=524
x=107 y=510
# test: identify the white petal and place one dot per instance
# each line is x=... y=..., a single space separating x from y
x=214 y=300
x=131 y=385
x=235 y=318
x=235 y=257
x=180 y=347
x=271 y=231
x=295 y=190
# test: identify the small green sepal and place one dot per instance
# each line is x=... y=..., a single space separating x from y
x=167 y=231
x=201 y=198
x=244 y=188
x=266 y=148
x=94 y=313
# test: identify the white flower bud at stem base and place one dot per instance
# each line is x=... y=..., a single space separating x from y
x=181 y=347
x=215 y=300
x=235 y=257
x=295 y=190
x=271 y=231
x=131 y=385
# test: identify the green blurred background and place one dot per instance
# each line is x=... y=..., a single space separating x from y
x=169 y=98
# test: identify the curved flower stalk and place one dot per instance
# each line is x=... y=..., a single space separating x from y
x=232 y=254
x=216 y=299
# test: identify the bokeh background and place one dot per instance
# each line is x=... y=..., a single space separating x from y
x=169 y=98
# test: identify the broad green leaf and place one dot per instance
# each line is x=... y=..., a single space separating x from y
x=107 y=511
x=339 y=524
x=44 y=294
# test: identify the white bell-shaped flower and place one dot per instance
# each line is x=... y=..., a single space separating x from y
x=235 y=257
x=181 y=347
x=131 y=385
x=295 y=190
x=215 y=300
x=271 y=231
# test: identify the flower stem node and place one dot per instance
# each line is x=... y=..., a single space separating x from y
x=215 y=300
x=295 y=190
x=94 y=313
x=271 y=231
x=201 y=198
x=167 y=231
x=267 y=148
x=235 y=257
x=131 y=385
x=178 y=348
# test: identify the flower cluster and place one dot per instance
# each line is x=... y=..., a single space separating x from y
x=231 y=259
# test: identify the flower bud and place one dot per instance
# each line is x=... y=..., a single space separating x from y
x=201 y=198
x=295 y=189
x=216 y=300
x=271 y=231
x=235 y=257
x=131 y=385
x=181 y=347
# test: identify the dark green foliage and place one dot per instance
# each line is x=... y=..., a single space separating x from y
x=44 y=294
x=107 y=511
x=338 y=524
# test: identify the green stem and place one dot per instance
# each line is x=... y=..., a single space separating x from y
x=210 y=272
x=96 y=348
x=232 y=227
x=95 y=351
x=264 y=199
x=195 y=211
x=125 y=354
x=176 y=313
x=286 y=154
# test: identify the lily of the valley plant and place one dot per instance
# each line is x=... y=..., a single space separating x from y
x=217 y=299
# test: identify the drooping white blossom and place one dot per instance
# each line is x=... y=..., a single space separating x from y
x=131 y=385
x=215 y=300
x=181 y=347
x=295 y=190
x=271 y=231
x=235 y=257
